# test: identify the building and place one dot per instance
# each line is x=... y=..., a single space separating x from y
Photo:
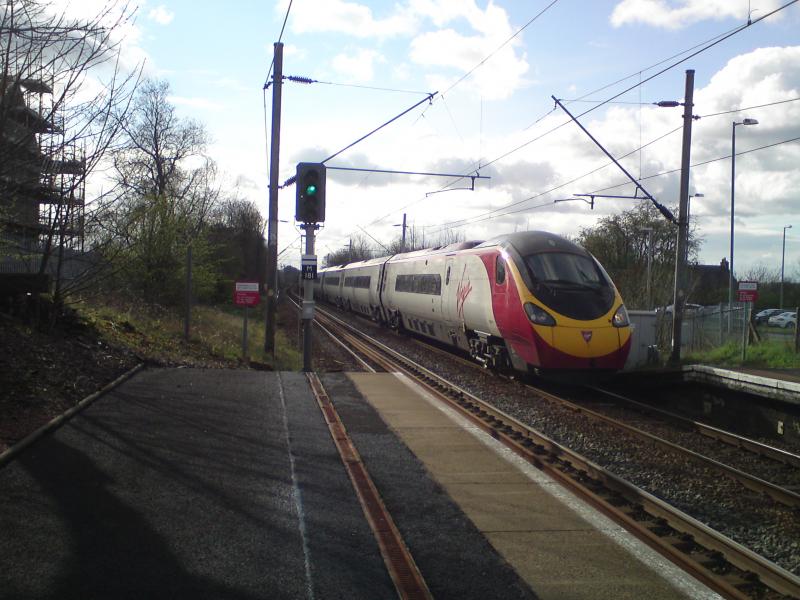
x=42 y=186
x=708 y=284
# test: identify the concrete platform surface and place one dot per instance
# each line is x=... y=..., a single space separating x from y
x=562 y=549
x=187 y=483
x=191 y=483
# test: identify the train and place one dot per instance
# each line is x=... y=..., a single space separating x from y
x=529 y=302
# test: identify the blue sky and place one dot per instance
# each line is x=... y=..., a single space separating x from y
x=216 y=58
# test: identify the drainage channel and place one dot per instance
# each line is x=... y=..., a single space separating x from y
x=401 y=566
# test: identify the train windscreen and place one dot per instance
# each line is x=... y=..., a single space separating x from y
x=571 y=284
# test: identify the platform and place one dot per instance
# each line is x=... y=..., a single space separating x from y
x=226 y=484
x=775 y=384
x=560 y=547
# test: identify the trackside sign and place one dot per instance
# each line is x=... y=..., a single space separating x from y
x=246 y=293
x=747 y=292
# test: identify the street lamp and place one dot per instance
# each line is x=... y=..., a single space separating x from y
x=733 y=183
x=648 y=293
x=783 y=256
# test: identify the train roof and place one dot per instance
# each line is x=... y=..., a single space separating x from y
x=531 y=242
x=523 y=242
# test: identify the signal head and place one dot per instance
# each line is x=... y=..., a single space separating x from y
x=310 y=199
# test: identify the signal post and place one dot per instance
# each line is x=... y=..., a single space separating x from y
x=310 y=210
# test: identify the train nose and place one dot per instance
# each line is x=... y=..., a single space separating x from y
x=586 y=342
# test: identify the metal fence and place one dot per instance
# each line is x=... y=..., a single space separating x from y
x=74 y=264
x=713 y=326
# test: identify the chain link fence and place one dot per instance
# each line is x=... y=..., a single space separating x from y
x=710 y=327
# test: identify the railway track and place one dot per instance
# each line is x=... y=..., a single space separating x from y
x=725 y=437
x=744 y=472
x=748 y=480
x=724 y=565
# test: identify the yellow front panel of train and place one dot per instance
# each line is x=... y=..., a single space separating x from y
x=586 y=342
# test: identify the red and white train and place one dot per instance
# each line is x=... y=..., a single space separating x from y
x=528 y=302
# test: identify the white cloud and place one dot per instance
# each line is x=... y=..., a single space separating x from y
x=161 y=15
x=358 y=66
x=675 y=14
x=201 y=103
x=450 y=48
x=117 y=16
x=289 y=50
x=345 y=17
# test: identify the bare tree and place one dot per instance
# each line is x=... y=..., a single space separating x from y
x=168 y=187
x=358 y=248
x=762 y=274
x=61 y=89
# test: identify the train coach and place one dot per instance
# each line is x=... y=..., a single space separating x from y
x=525 y=302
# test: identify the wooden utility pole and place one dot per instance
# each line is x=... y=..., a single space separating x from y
x=272 y=230
x=679 y=296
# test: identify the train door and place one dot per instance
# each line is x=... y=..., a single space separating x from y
x=500 y=284
x=449 y=291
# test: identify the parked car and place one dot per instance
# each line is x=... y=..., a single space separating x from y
x=686 y=308
x=785 y=319
x=762 y=317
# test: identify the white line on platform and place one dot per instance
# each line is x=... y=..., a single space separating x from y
x=298 y=498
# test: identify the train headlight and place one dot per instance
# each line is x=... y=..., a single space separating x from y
x=538 y=316
x=620 y=318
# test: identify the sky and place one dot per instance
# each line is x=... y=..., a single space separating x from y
x=495 y=66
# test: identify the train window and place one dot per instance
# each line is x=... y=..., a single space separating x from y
x=332 y=281
x=573 y=285
x=419 y=284
x=447 y=277
x=499 y=270
x=565 y=268
x=357 y=281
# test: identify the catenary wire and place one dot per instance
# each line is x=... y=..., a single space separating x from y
x=700 y=164
x=500 y=47
x=550 y=203
x=703 y=46
x=501 y=211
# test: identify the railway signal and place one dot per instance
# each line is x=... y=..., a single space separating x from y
x=310 y=199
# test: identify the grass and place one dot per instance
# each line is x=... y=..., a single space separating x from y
x=215 y=338
x=768 y=355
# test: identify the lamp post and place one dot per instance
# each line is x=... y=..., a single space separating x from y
x=648 y=293
x=783 y=257
x=403 y=225
x=733 y=186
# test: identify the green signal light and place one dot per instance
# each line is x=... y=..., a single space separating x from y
x=311 y=190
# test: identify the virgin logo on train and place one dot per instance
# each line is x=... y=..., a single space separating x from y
x=587 y=336
x=461 y=296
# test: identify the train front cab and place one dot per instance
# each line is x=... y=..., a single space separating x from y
x=572 y=321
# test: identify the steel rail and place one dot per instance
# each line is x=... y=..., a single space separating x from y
x=721 y=435
x=722 y=564
x=751 y=482
x=333 y=337
x=402 y=568
x=777 y=493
